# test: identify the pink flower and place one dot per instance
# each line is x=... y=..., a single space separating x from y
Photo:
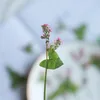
x=46 y=31
x=46 y=28
x=46 y=25
x=58 y=41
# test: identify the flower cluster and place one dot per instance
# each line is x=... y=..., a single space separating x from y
x=46 y=28
x=46 y=31
x=57 y=43
x=46 y=34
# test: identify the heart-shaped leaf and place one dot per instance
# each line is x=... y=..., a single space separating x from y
x=53 y=62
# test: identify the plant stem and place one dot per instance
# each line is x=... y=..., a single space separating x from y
x=45 y=80
x=45 y=84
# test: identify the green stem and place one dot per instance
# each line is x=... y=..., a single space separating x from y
x=45 y=80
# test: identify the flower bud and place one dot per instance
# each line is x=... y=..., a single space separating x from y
x=46 y=28
x=57 y=43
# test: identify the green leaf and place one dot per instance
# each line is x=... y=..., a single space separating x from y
x=71 y=87
x=66 y=86
x=53 y=62
x=53 y=54
x=96 y=61
x=28 y=48
x=16 y=79
x=58 y=62
x=43 y=63
x=80 y=32
x=60 y=26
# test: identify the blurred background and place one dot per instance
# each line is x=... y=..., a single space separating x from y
x=20 y=31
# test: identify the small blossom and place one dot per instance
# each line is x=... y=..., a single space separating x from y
x=58 y=39
x=45 y=25
x=57 y=43
x=46 y=31
x=46 y=28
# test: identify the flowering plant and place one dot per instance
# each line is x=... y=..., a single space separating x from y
x=52 y=60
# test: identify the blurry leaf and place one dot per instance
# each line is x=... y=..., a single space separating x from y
x=71 y=87
x=60 y=26
x=53 y=62
x=96 y=61
x=98 y=40
x=80 y=32
x=16 y=79
x=28 y=48
x=65 y=87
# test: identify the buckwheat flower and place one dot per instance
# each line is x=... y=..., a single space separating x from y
x=46 y=29
x=57 y=43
